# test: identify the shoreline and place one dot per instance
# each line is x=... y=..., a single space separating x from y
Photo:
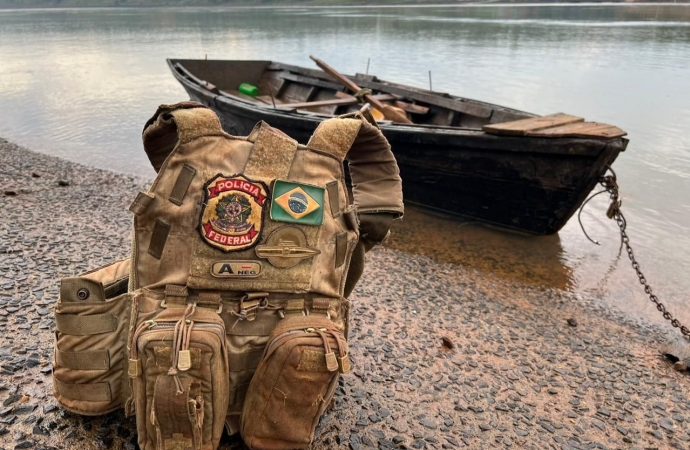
x=518 y=375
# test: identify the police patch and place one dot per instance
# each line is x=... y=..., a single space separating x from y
x=297 y=203
x=232 y=218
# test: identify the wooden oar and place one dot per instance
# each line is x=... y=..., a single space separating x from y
x=389 y=112
x=349 y=100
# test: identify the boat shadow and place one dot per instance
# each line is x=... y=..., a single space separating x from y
x=536 y=260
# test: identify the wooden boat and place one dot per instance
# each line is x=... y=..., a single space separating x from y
x=464 y=157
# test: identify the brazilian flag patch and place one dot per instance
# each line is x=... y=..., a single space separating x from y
x=297 y=203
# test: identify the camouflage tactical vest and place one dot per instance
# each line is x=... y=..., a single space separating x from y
x=232 y=310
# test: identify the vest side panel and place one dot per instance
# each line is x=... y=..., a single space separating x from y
x=316 y=168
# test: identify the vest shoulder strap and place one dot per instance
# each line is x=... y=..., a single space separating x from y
x=335 y=136
x=177 y=124
x=376 y=183
x=272 y=152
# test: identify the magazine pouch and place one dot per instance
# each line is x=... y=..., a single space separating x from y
x=91 y=321
x=294 y=383
x=179 y=365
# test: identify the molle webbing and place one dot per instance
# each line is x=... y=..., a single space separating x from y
x=170 y=409
x=272 y=153
x=90 y=392
x=87 y=360
x=160 y=234
x=141 y=203
x=184 y=179
x=333 y=189
x=85 y=325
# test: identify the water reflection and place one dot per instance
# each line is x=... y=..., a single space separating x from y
x=536 y=260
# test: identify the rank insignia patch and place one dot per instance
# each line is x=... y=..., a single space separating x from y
x=232 y=218
x=297 y=203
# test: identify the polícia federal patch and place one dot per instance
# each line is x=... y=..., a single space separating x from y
x=232 y=217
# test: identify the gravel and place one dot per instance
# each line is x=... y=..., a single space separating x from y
x=529 y=367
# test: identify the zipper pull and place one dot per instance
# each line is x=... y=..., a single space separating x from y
x=331 y=360
x=184 y=360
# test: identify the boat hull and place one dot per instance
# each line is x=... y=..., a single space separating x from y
x=528 y=184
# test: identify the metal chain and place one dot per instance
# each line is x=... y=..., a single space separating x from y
x=614 y=212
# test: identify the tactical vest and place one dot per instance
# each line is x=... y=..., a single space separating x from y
x=232 y=310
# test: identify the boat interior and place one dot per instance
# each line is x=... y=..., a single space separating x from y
x=312 y=91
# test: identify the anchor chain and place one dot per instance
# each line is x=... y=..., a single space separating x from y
x=610 y=185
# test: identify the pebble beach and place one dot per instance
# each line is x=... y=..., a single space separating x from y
x=444 y=356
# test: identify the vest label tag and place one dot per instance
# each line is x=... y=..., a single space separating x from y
x=233 y=214
x=236 y=269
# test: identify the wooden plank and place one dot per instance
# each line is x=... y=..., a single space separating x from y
x=583 y=130
x=309 y=81
x=524 y=126
x=349 y=100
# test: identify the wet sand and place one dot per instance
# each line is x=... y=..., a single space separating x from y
x=518 y=375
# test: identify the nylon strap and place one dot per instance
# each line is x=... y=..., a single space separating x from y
x=184 y=179
x=88 y=360
x=171 y=409
x=85 y=325
x=79 y=289
x=340 y=249
x=160 y=234
x=272 y=153
x=333 y=189
x=90 y=392
x=294 y=307
x=176 y=294
x=141 y=203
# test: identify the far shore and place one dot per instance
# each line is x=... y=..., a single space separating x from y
x=98 y=4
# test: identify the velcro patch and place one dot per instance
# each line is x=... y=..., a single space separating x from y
x=312 y=361
x=233 y=213
x=297 y=203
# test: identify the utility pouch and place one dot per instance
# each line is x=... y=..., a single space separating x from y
x=294 y=383
x=179 y=364
x=92 y=320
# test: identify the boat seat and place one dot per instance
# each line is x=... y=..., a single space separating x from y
x=555 y=126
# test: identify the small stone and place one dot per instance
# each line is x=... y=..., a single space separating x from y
x=622 y=430
x=25 y=444
x=428 y=423
x=447 y=342
x=63 y=183
x=572 y=322
x=35 y=175
x=667 y=424
x=10 y=193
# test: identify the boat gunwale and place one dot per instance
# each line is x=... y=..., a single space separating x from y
x=512 y=144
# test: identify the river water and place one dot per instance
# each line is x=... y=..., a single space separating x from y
x=80 y=83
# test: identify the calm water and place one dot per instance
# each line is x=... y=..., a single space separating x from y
x=81 y=83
